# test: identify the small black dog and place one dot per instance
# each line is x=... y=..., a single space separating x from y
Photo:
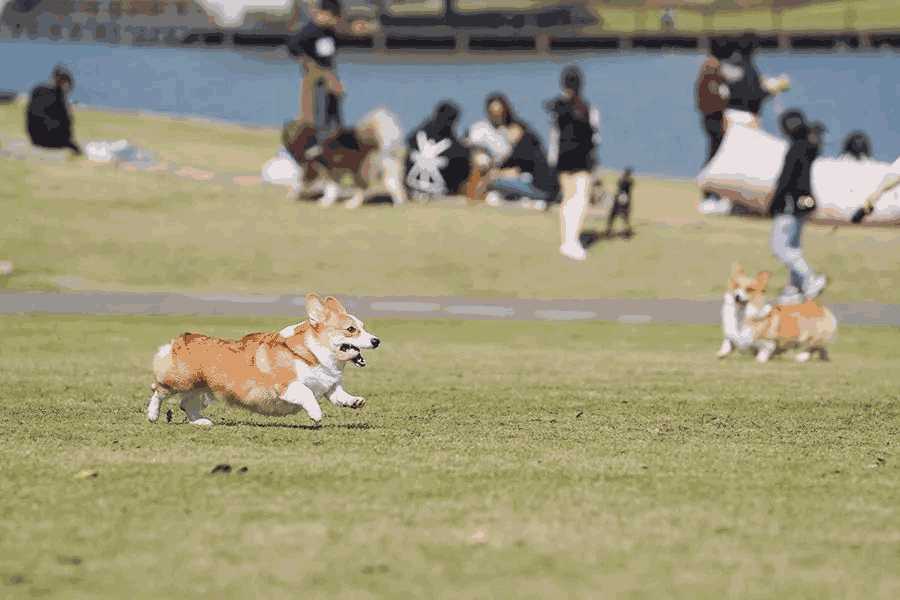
x=622 y=204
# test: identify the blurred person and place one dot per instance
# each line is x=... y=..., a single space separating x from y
x=524 y=174
x=857 y=147
x=321 y=90
x=621 y=206
x=437 y=162
x=667 y=19
x=572 y=153
x=48 y=119
x=712 y=95
x=889 y=182
x=747 y=88
x=792 y=202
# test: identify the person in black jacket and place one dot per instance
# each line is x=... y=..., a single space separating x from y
x=525 y=173
x=576 y=125
x=315 y=45
x=48 y=120
x=792 y=202
x=437 y=163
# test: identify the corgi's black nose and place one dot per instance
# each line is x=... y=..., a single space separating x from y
x=376 y=342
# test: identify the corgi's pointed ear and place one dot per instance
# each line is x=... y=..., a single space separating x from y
x=314 y=308
x=737 y=269
x=763 y=279
x=334 y=305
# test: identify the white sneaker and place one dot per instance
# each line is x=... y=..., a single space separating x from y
x=711 y=206
x=493 y=199
x=814 y=285
x=573 y=251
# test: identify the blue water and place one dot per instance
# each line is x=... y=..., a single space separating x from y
x=646 y=100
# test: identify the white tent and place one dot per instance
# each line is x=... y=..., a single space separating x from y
x=748 y=163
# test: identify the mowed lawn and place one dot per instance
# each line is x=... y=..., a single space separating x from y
x=493 y=460
x=78 y=225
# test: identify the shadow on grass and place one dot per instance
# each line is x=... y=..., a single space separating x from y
x=277 y=425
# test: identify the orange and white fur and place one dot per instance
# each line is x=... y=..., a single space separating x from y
x=750 y=323
x=277 y=373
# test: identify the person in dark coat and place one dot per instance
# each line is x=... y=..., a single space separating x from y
x=525 y=173
x=437 y=162
x=791 y=204
x=48 y=120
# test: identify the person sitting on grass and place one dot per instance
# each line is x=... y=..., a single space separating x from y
x=437 y=163
x=857 y=147
x=792 y=202
x=621 y=206
x=524 y=174
x=48 y=120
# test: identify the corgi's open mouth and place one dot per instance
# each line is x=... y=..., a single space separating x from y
x=358 y=360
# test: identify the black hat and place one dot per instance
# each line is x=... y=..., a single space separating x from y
x=60 y=72
x=793 y=123
x=571 y=79
x=332 y=6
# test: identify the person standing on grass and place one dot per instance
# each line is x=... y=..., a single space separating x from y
x=576 y=128
x=712 y=95
x=48 y=120
x=791 y=203
x=321 y=90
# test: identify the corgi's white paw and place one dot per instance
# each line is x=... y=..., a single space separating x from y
x=202 y=422
x=725 y=349
x=803 y=357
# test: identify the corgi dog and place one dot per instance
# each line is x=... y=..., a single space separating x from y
x=750 y=323
x=277 y=373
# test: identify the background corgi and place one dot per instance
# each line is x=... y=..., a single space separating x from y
x=276 y=373
x=750 y=323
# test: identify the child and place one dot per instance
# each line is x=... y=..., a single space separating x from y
x=576 y=125
x=792 y=201
x=622 y=204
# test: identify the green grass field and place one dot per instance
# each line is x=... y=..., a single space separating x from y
x=75 y=225
x=493 y=460
x=628 y=16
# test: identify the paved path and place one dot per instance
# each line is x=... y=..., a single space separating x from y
x=623 y=311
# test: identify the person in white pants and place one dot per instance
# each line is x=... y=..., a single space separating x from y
x=574 y=141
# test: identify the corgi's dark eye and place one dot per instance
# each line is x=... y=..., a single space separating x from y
x=351 y=329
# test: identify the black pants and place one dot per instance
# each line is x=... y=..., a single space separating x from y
x=714 y=126
x=45 y=138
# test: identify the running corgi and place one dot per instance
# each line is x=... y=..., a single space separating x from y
x=277 y=373
x=750 y=323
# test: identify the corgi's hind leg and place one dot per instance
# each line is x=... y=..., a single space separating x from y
x=160 y=393
x=766 y=349
x=193 y=403
x=823 y=354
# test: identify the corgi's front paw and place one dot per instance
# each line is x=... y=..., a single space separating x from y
x=726 y=349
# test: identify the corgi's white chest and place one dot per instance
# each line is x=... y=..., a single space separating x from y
x=319 y=379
